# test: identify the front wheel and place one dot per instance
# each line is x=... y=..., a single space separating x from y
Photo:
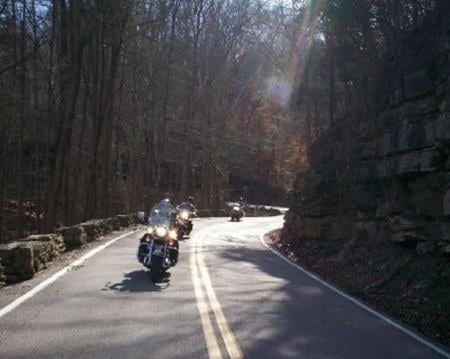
x=190 y=226
x=156 y=268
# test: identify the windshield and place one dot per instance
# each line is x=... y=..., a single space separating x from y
x=160 y=214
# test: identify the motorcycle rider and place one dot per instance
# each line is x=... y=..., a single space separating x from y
x=186 y=222
x=188 y=205
x=241 y=204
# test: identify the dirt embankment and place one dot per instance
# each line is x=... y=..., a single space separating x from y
x=412 y=288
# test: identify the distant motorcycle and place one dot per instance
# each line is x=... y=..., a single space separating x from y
x=237 y=212
x=184 y=223
x=158 y=248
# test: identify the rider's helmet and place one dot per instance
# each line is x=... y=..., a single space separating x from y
x=190 y=199
x=166 y=200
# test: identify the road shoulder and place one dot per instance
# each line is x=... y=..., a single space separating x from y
x=327 y=265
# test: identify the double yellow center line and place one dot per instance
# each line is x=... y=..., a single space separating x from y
x=209 y=307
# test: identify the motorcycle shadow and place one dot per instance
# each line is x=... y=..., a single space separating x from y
x=138 y=281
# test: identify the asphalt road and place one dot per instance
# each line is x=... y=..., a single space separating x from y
x=229 y=296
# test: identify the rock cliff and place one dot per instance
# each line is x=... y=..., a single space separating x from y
x=393 y=181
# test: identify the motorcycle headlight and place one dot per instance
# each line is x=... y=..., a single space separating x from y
x=161 y=232
x=236 y=208
x=149 y=230
x=184 y=215
x=173 y=234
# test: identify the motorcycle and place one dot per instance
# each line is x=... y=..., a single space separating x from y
x=158 y=248
x=184 y=222
x=237 y=212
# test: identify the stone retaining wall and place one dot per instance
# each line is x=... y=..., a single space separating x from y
x=20 y=260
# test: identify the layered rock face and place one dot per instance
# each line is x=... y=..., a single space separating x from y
x=393 y=180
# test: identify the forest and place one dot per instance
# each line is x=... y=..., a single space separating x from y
x=108 y=105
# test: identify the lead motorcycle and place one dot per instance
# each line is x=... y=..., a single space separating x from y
x=158 y=248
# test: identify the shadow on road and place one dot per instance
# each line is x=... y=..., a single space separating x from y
x=300 y=315
x=138 y=281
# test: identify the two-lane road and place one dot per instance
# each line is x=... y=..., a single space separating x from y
x=229 y=296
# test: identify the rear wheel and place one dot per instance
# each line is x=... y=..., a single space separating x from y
x=156 y=268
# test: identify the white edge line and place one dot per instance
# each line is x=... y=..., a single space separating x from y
x=357 y=302
x=41 y=286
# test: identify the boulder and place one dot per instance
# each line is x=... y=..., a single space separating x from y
x=136 y=218
x=56 y=242
x=124 y=220
x=7 y=257
x=92 y=230
x=33 y=256
x=103 y=226
x=23 y=261
x=114 y=223
x=74 y=237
